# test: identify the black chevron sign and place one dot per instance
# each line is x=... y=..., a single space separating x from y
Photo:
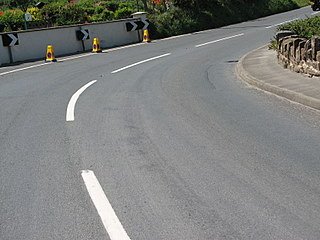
x=82 y=34
x=137 y=25
x=10 y=39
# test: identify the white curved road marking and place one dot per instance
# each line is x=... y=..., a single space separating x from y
x=73 y=101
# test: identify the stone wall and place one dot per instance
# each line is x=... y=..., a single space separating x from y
x=300 y=54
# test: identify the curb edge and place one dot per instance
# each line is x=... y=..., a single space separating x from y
x=244 y=75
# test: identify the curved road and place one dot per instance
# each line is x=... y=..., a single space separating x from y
x=176 y=145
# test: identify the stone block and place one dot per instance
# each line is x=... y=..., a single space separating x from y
x=287 y=43
x=298 y=55
x=297 y=68
x=315 y=43
x=301 y=50
x=315 y=46
x=291 y=52
x=307 y=47
x=303 y=53
x=282 y=34
x=318 y=56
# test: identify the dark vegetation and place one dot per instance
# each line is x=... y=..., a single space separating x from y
x=168 y=17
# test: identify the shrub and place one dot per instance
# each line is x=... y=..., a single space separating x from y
x=275 y=6
x=71 y=14
x=128 y=4
x=35 y=13
x=104 y=16
x=12 y=20
x=107 y=15
x=95 y=18
x=304 y=28
x=98 y=9
x=111 y=6
x=50 y=12
x=123 y=13
x=86 y=3
x=89 y=10
x=173 y=22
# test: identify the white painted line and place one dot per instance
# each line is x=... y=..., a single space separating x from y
x=123 y=47
x=103 y=206
x=73 y=101
x=173 y=37
x=42 y=64
x=25 y=68
x=75 y=57
x=219 y=40
x=144 y=61
x=275 y=25
x=315 y=13
x=69 y=58
x=185 y=35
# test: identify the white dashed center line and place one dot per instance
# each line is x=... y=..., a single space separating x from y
x=219 y=40
x=144 y=61
x=278 y=24
x=103 y=206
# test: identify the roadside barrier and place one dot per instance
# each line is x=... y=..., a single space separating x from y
x=96 y=46
x=146 y=36
x=50 y=54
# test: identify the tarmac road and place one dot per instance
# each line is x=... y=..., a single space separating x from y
x=176 y=145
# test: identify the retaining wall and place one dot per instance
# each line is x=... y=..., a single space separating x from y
x=33 y=43
x=300 y=54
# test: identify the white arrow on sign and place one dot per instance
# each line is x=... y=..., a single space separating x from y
x=85 y=34
x=146 y=24
x=14 y=40
x=134 y=26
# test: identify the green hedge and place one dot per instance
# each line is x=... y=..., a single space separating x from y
x=58 y=13
x=305 y=28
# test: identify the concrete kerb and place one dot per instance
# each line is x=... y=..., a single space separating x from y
x=244 y=75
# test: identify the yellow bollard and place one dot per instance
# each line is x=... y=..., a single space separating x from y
x=96 y=46
x=50 y=54
x=146 y=37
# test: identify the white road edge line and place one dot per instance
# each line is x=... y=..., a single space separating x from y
x=73 y=101
x=172 y=37
x=108 y=216
x=64 y=59
x=25 y=68
x=124 y=47
x=219 y=40
x=144 y=61
x=275 y=25
x=315 y=13
x=75 y=57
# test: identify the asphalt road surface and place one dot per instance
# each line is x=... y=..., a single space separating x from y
x=157 y=141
